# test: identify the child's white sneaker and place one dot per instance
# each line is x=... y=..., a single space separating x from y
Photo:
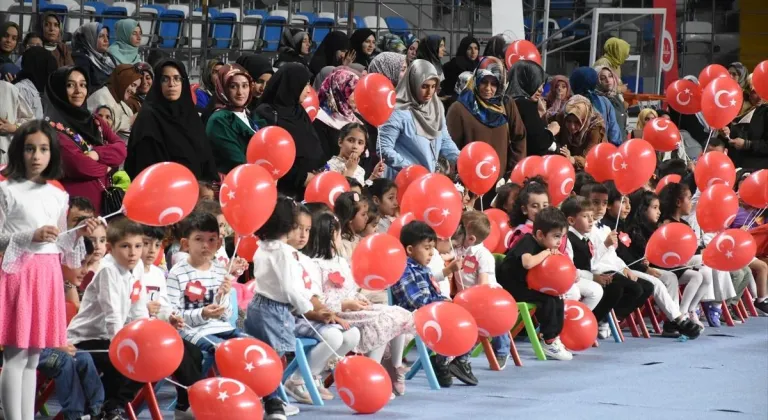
x=603 y=330
x=325 y=394
x=297 y=390
x=556 y=350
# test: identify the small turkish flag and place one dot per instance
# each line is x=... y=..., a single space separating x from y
x=135 y=291
x=624 y=238
x=307 y=279
x=336 y=279
x=195 y=291
x=470 y=264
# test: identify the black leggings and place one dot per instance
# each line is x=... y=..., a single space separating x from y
x=623 y=296
x=549 y=309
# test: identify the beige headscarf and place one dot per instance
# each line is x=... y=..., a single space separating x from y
x=428 y=117
x=580 y=107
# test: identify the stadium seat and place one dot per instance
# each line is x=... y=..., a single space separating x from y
x=130 y=7
x=272 y=30
x=148 y=21
x=321 y=27
x=110 y=16
x=169 y=26
x=251 y=29
x=223 y=30
x=398 y=26
x=377 y=25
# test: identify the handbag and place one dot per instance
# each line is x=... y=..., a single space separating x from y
x=111 y=198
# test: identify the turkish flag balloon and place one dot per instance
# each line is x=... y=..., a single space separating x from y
x=662 y=134
x=721 y=102
x=521 y=50
x=730 y=250
x=579 y=326
x=405 y=177
x=478 y=167
x=669 y=179
x=397 y=225
x=554 y=276
x=526 y=168
x=362 y=384
x=446 y=328
x=248 y=196
x=247 y=247
x=710 y=73
x=714 y=168
x=599 y=162
x=434 y=200
x=251 y=362
x=500 y=220
x=311 y=103
x=717 y=208
x=273 y=149
x=325 y=188
x=378 y=261
x=492 y=240
x=633 y=165
x=754 y=189
x=146 y=350
x=161 y=195
x=210 y=398
x=684 y=96
x=671 y=245
x=375 y=98
x=493 y=308
x=760 y=79
x=560 y=177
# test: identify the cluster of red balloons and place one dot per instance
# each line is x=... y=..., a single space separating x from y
x=717 y=96
x=556 y=170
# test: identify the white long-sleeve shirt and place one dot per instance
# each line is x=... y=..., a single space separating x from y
x=279 y=275
x=605 y=259
x=583 y=274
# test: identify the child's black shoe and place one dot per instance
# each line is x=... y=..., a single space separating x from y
x=462 y=370
x=689 y=329
x=274 y=410
x=670 y=330
x=443 y=373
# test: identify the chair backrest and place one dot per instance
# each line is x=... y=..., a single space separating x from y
x=169 y=28
x=130 y=7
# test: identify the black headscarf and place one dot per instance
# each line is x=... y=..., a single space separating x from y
x=6 y=58
x=525 y=78
x=464 y=63
x=37 y=64
x=429 y=49
x=496 y=47
x=255 y=65
x=325 y=55
x=175 y=126
x=356 y=42
x=58 y=108
x=290 y=47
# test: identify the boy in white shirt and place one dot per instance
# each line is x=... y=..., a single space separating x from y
x=578 y=212
x=114 y=298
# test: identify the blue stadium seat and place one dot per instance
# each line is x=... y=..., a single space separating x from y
x=110 y=16
x=59 y=9
x=561 y=4
x=223 y=29
x=309 y=15
x=398 y=26
x=252 y=22
x=320 y=28
x=272 y=30
x=169 y=28
x=97 y=6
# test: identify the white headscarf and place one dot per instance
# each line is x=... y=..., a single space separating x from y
x=428 y=117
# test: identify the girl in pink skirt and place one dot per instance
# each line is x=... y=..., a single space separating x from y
x=33 y=213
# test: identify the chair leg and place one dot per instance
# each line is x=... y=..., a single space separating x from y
x=632 y=324
x=749 y=302
x=489 y=354
x=652 y=315
x=408 y=348
x=613 y=323
x=742 y=310
x=727 y=314
x=513 y=352
x=306 y=374
x=281 y=392
x=531 y=330
x=424 y=363
x=641 y=323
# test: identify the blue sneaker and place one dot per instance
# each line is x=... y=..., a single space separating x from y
x=713 y=313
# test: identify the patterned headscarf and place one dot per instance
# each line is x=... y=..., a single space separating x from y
x=601 y=90
x=389 y=64
x=580 y=107
x=555 y=104
x=335 y=93
x=220 y=81
x=491 y=112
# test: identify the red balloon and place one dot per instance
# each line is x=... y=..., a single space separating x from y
x=599 y=162
x=730 y=250
x=754 y=189
x=521 y=50
x=311 y=104
x=378 y=261
x=669 y=179
x=434 y=200
x=248 y=196
x=760 y=79
x=479 y=167
x=251 y=362
x=375 y=98
x=560 y=176
x=273 y=149
x=721 y=102
x=710 y=73
x=446 y=328
x=554 y=276
x=247 y=247
x=579 y=326
x=717 y=208
x=397 y=225
x=499 y=220
x=325 y=188
x=146 y=350
x=57 y=184
x=671 y=245
x=714 y=168
x=492 y=240
x=362 y=384
x=526 y=168
x=161 y=195
x=633 y=165
x=405 y=177
x=662 y=134
x=684 y=96
x=493 y=308
x=211 y=398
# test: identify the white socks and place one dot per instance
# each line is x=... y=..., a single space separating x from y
x=18 y=383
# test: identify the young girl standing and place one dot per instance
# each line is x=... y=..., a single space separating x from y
x=33 y=213
x=383 y=192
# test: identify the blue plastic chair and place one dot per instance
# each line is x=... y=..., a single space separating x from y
x=110 y=16
x=169 y=28
x=422 y=362
x=319 y=29
x=272 y=31
x=398 y=26
x=223 y=29
x=615 y=331
x=303 y=345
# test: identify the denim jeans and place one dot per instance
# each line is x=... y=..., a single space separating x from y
x=207 y=344
x=501 y=345
x=78 y=386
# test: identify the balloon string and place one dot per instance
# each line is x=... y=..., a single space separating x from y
x=187 y=327
x=687 y=267
x=481 y=202
x=458 y=273
x=711 y=133
x=168 y=379
x=618 y=216
x=635 y=262
x=234 y=254
x=321 y=337
x=82 y=225
x=94 y=351
x=756 y=216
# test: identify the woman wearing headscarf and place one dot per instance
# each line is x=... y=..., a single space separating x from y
x=120 y=87
x=261 y=71
x=49 y=26
x=13 y=113
x=37 y=65
x=559 y=93
x=583 y=128
x=363 y=42
x=294 y=47
x=389 y=42
x=412 y=47
x=281 y=106
x=645 y=116
x=584 y=82
x=90 y=43
x=168 y=128
x=206 y=90
x=416 y=133
x=125 y=50
x=432 y=49
x=616 y=53
x=333 y=51
x=739 y=73
x=324 y=73
x=479 y=113
x=466 y=59
x=526 y=83
x=336 y=108
x=90 y=150
x=748 y=142
x=608 y=87
x=9 y=39
x=147 y=77
x=496 y=47
x=230 y=127
x=391 y=65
